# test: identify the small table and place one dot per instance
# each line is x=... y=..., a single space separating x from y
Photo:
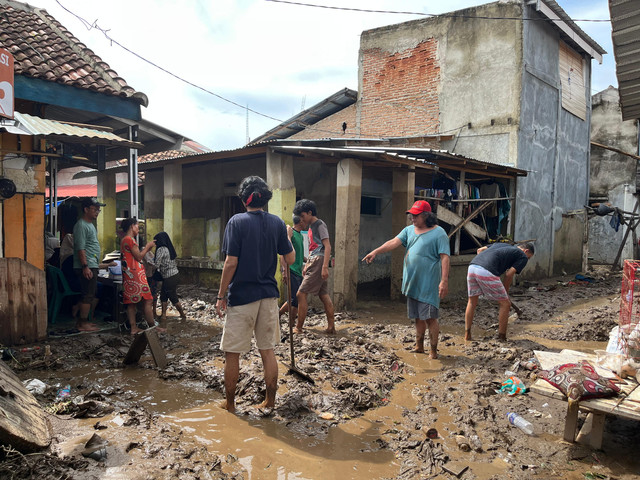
x=114 y=285
x=626 y=404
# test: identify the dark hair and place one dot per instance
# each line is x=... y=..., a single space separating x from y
x=430 y=219
x=254 y=192
x=296 y=219
x=528 y=246
x=127 y=223
x=305 y=205
x=162 y=240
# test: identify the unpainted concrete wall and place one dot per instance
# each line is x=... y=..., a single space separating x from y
x=554 y=146
x=203 y=189
x=610 y=169
x=375 y=230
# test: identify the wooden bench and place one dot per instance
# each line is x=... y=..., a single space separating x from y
x=626 y=404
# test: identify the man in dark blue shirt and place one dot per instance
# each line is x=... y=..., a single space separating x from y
x=252 y=242
x=483 y=278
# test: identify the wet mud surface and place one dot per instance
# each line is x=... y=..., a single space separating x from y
x=376 y=410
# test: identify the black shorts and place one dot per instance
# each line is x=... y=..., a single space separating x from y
x=296 y=280
x=169 y=289
x=88 y=287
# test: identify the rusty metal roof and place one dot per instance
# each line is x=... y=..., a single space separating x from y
x=43 y=48
x=625 y=22
x=24 y=124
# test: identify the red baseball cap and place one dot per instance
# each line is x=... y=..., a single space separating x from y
x=419 y=207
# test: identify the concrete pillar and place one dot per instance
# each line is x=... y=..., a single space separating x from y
x=404 y=183
x=173 y=205
x=347 y=234
x=106 y=223
x=280 y=180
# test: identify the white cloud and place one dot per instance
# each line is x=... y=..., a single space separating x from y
x=266 y=55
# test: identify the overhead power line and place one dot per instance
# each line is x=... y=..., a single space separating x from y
x=446 y=15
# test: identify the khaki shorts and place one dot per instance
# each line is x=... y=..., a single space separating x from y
x=242 y=321
x=312 y=281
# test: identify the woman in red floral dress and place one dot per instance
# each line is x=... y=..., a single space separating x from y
x=134 y=280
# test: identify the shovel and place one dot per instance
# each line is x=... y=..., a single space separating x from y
x=292 y=367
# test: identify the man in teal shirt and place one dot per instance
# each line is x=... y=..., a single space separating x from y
x=425 y=277
x=86 y=260
x=296 y=268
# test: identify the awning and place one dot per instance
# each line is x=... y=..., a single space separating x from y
x=24 y=124
x=83 y=190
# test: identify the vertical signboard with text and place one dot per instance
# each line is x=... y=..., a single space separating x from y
x=6 y=83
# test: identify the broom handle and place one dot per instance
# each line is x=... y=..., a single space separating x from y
x=288 y=277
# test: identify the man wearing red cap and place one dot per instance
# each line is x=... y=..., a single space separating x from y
x=425 y=274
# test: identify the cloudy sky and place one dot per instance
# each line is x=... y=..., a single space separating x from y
x=274 y=58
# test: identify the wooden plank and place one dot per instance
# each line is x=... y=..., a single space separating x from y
x=136 y=349
x=23 y=302
x=23 y=424
x=139 y=345
x=157 y=352
x=454 y=219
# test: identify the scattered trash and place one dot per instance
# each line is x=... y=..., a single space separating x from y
x=327 y=416
x=395 y=366
x=462 y=443
x=432 y=433
x=523 y=424
x=35 y=386
x=513 y=386
x=63 y=394
x=7 y=353
x=95 y=448
x=476 y=443
x=532 y=364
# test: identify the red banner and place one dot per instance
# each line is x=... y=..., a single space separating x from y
x=6 y=83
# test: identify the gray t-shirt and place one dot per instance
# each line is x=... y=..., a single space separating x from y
x=85 y=237
x=319 y=232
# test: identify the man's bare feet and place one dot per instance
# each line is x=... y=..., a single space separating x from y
x=502 y=337
x=416 y=350
x=87 y=327
x=183 y=318
x=330 y=331
x=160 y=329
x=434 y=353
x=265 y=404
x=297 y=330
x=223 y=404
x=136 y=331
x=467 y=336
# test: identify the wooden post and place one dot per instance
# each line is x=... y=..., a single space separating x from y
x=462 y=191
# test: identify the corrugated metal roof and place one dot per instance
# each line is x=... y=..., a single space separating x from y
x=302 y=120
x=625 y=22
x=25 y=124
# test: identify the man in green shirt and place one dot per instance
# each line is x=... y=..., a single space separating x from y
x=296 y=268
x=86 y=255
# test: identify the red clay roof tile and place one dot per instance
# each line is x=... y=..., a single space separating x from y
x=43 y=48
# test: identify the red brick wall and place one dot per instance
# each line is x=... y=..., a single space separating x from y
x=400 y=91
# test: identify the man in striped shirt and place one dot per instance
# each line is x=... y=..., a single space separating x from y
x=483 y=278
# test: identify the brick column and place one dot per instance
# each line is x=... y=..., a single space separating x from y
x=404 y=182
x=347 y=234
x=173 y=205
x=106 y=223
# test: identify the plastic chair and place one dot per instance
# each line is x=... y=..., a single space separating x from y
x=59 y=290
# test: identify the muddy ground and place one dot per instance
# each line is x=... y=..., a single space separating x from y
x=367 y=415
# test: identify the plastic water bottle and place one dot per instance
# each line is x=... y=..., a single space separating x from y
x=521 y=423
